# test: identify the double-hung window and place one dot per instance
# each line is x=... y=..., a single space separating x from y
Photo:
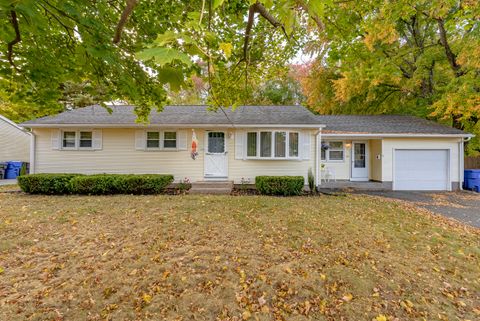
x=272 y=144
x=334 y=152
x=77 y=139
x=169 y=140
x=85 y=140
x=153 y=139
x=161 y=140
x=69 y=140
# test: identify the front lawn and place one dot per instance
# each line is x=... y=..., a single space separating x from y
x=232 y=258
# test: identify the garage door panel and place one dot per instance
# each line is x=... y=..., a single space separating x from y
x=421 y=169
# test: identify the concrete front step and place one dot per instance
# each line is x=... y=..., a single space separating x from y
x=211 y=187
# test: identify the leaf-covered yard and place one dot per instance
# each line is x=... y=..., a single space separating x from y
x=233 y=258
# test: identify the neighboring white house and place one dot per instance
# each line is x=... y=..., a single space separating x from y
x=14 y=141
x=401 y=152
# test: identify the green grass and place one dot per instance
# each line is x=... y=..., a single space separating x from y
x=228 y=258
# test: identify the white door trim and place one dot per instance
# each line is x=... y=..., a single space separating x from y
x=207 y=154
x=367 y=161
x=449 y=169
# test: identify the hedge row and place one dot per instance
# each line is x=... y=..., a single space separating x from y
x=279 y=185
x=94 y=184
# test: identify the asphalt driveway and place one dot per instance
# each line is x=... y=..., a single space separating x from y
x=463 y=206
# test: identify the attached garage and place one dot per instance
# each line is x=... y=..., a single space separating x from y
x=421 y=169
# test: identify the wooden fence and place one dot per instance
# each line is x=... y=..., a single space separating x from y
x=472 y=162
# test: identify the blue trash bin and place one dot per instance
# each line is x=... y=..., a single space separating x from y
x=13 y=170
x=472 y=178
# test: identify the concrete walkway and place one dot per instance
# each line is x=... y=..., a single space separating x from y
x=5 y=182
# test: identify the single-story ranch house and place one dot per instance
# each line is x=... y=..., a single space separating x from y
x=401 y=152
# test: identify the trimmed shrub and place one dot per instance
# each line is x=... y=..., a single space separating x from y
x=120 y=184
x=102 y=184
x=142 y=184
x=50 y=184
x=279 y=185
x=93 y=184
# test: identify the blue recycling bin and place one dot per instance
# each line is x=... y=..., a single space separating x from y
x=13 y=170
x=472 y=179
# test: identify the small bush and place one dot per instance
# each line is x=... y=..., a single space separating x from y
x=279 y=185
x=50 y=184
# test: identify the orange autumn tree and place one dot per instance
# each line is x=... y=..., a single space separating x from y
x=403 y=57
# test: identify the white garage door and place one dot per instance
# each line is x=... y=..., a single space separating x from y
x=420 y=169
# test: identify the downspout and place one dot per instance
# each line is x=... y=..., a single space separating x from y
x=318 y=139
x=461 y=156
x=32 y=152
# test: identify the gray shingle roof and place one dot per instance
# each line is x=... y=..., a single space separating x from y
x=384 y=124
x=250 y=115
x=185 y=115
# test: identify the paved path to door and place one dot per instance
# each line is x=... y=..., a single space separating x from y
x=462 y=205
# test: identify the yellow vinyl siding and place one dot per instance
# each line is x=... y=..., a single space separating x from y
x=14 y=143
x=375 y=163
x=119 y=155
x=341 y=168
x=249 y=168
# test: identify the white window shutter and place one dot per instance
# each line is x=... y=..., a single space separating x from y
x=97 y=139
x=140 y=139
x=56 y=138
x=305 y=138
x=240 y=144
x=182 y=139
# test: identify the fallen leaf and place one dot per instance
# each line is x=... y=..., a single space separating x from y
x=347 y=297
x=381 y=317
x=246 y=315
x=147 y=298
x=134 y=272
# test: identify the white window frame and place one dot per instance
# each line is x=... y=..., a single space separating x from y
x=272 y=153
x=161 y=137
x=327 y=152
x=163 y=140
x=159 y=140
x=77 y=139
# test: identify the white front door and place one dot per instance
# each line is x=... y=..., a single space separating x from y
x=216 y=161
x=359 y=161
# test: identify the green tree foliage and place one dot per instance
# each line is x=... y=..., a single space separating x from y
x=419 y=57
x=408 y=57
x=136 y=51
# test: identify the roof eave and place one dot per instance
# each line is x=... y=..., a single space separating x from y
x=315 y=126
x=395 y=135
x=19 y=127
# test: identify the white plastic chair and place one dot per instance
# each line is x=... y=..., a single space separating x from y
x=328 y=173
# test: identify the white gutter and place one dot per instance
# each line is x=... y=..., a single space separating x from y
x=318 y=140
x=359 y=135
x=173 y=125
x=32 y=152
